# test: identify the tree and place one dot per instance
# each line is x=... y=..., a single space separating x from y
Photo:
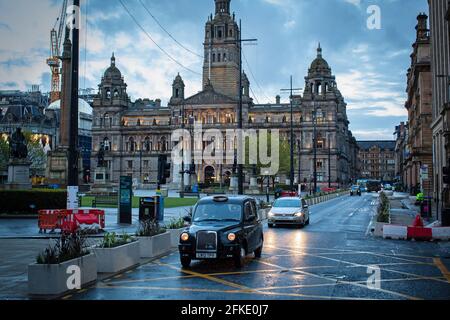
x=4 y=153
x=36 y=154
x=284 y=154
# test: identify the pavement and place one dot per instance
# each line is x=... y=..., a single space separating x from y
x=28 y=228
x=331 y=259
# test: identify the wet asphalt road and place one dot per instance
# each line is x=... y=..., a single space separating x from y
x=329 y=259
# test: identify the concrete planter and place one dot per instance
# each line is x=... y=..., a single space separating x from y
x=151 y=247
x=175 y=236
x=52 y=280
x=113 y=260
x=378 y=229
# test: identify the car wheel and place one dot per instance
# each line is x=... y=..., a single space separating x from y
x=258 y=252
x=186 y=262
x=239 y=259
x=307 y=222
x=270 y=225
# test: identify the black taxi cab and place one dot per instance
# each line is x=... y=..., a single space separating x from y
x=222 y=227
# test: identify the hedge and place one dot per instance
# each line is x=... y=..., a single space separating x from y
x=30 y=202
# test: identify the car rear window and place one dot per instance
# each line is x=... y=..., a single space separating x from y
x=285 y=203
x=217 y=212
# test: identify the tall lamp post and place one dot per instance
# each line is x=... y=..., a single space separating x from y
x=291 y=98
x=73 y=124
x=315 y=143
x=240 y=166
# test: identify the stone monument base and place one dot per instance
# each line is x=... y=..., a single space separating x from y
x=18 y=175
x=102 y=181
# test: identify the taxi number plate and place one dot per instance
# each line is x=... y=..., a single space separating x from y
x=206 y=255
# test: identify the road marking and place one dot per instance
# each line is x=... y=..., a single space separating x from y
x=365 y=266
x=298 y=295
x=348 y=282
x=442 y=268
x=210 y=278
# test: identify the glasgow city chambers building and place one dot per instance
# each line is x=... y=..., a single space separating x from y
x=132 y=135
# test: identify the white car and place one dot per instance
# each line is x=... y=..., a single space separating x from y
x=289 y=211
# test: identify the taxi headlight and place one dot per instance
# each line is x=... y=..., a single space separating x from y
x=299 y=214
x=184 y=236
x=271 y=214
x=231 y=237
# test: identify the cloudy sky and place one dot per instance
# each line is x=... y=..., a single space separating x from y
x=370 y=65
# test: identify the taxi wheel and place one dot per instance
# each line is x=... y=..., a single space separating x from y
x=185 y=262
x=258 y=252
x=240 y=258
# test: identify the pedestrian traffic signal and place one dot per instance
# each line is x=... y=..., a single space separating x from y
x=163 y=169
x=446 y=175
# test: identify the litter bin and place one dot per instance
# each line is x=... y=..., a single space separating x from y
x=425 y=208
x=149 y=209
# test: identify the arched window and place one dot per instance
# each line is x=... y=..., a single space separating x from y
x=108 y=94
x=108 y=121
x=163 y=145
x=218 y=57
x=147 y=145
x=106 y=144
x=116 y=93
x=131 y=145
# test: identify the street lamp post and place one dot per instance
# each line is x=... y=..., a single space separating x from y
x=315 y=143
x=291 y=97
x=240 y=166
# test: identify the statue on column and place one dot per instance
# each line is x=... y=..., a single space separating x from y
x=18 y=145
x=101 y=156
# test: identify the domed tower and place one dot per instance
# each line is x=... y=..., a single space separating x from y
x=113 y=86
x=320 y=80
x=221 y=63
x=112 y=98
x=177 y=91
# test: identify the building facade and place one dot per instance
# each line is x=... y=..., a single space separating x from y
x=419 y=106
x=133 y=134
x=440 y=68
x=377 y=160
x=401 y=139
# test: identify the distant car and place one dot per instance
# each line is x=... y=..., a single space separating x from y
x=222 y=227
x=388 y=187
x=289 y=211
x=355 y=190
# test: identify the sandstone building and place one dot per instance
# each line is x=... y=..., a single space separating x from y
x=135 y=133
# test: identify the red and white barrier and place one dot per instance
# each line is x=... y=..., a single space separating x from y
x=416 y=233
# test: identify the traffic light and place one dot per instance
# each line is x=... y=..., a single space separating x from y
x=192 y=168
x=446 y=175
x=163 y=169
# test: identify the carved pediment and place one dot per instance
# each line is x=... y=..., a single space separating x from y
x=209 y=96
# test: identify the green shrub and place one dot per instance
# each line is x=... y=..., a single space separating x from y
x=149 y=228
x=67 y=247
x=30 y=202
x=112 y=240
x=383 y=209
x=175 y=224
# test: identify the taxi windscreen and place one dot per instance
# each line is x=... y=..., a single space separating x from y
x=217 y=212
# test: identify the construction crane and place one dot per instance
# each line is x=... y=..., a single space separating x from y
x=55 y=47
